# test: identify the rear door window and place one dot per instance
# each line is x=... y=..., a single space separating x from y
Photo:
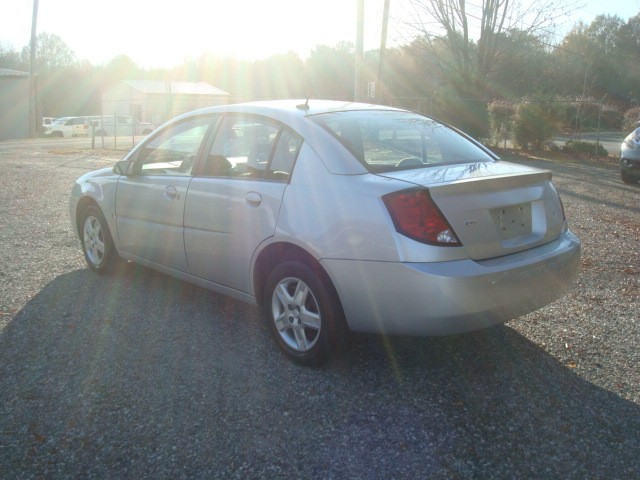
x=252 y=148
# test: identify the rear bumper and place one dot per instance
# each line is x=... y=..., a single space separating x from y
x=445 y=298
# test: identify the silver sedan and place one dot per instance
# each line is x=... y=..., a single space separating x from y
x=333 y=217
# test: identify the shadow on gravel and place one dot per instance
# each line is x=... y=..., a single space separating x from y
x=571 y=177
x=139 y=375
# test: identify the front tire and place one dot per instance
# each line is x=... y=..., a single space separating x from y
x=628 y=178
x=97 y=244
x=303 y=314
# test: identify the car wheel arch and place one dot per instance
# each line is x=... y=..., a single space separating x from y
x=84 y=203
x=277 y=253
x=287 y=255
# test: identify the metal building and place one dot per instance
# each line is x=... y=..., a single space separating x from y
x=156 y=101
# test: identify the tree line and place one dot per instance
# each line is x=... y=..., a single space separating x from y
x=443 y=73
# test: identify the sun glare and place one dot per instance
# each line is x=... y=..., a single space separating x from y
x=164 y=34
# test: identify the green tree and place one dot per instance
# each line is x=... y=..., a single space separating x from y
x=330 y=71
x=522 y=67
x=599 y=60
x=473 y=35
x=52 y=53
x=121 y=67
x=9 y=58
x=279 y=76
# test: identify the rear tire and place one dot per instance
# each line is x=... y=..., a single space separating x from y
x=97 y=244
x=303 y=313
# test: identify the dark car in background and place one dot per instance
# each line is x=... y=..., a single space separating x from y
x=630 y=158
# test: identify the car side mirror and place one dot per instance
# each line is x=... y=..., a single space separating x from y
x=123 y=167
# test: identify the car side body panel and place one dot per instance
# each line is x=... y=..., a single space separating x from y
x=150 y=211
x=224 y=223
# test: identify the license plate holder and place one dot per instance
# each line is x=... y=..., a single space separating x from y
x=512 y=221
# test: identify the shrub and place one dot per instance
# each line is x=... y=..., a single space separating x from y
x=501 y=115
x=590 y=115
x=631 y=118
x=579 y=147
x=535 y=124
x=468 y=115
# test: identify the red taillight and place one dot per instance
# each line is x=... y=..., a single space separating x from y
x=415 y=215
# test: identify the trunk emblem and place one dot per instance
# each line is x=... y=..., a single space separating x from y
x=470 y=223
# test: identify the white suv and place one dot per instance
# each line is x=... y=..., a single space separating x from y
x=69 y=127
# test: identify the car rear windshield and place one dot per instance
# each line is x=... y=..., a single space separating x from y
x=385 y=141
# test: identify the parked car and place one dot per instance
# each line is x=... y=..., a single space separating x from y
x=630 y=158
x=47 y=121
x=69 y=127
x=114 y=125
x=333 y=217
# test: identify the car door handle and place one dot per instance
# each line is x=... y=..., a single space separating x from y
x=253 y=198
x=171 y=193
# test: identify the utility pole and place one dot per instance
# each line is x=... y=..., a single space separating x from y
x=33 y=131
x=383 y=48
x=359 y=87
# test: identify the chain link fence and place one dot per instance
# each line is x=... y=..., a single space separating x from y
x=599 y=123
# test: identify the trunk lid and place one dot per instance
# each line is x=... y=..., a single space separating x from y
x=495 y=208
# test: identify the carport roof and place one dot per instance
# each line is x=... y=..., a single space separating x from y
x=6 y=72
x=175 y=88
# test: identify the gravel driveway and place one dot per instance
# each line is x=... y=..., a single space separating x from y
x=137 y=375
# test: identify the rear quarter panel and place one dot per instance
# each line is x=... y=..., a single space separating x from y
x=337 y=216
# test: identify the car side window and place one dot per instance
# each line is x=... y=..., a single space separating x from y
x=173 y=151
x=284 y=155
x=251 y=148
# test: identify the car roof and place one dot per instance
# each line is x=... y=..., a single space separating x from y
x=293 y=108
x=295 y=114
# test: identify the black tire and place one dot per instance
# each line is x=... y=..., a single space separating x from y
x=97 y=244
x=303 y=313
x=628 y=179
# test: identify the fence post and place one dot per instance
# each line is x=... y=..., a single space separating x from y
x=598 y=134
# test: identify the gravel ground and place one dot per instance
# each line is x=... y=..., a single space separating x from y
x=137 y=375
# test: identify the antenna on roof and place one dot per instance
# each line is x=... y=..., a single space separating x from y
x=303 y=106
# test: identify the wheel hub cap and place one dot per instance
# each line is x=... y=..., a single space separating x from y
x=296 y=314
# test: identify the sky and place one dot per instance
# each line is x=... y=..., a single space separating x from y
x=164 y=33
